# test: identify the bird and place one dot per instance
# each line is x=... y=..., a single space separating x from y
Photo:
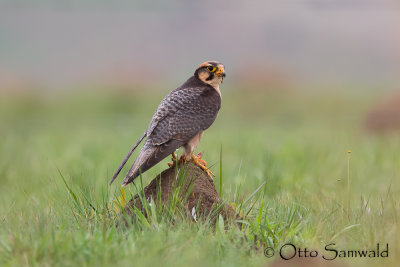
x=180 y=121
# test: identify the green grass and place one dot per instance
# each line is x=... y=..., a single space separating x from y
x=315 y=193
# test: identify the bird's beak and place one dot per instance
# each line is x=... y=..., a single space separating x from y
x=221 y=72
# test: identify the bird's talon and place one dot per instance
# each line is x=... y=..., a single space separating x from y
x=202 y=164
x=209 y=173
x=198 y=160
x=173 y=158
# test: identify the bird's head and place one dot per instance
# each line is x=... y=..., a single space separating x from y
x=211 y=72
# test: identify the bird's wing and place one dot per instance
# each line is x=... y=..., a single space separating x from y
x=183 y=113
x=149 y=156
x=179 y=117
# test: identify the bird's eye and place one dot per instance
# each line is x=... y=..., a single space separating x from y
x=211 y=68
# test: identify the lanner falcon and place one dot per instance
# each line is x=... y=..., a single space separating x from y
x=179 y=121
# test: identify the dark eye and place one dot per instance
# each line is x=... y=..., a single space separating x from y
x=211 y=68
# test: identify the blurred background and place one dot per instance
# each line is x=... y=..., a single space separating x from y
x=307 y=82
x=56 y=45
x=80 y=80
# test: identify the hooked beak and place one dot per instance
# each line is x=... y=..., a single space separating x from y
x=221 y=72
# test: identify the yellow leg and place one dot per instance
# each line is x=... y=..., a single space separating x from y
x=202 y=164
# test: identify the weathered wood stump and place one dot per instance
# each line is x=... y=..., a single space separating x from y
x=201 y=196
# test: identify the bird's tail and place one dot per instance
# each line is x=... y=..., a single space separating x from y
x=127 y=157
x=149 y=156
x=139 y=163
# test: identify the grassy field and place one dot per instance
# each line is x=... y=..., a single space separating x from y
x=316 y=191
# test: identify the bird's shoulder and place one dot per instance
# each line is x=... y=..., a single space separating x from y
x=194 y=89
x=192 y=94
x=187 y=94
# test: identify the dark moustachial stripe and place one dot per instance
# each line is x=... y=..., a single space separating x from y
x=210 y=77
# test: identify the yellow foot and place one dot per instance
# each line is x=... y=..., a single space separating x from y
x=170 y=164
x=202 y=164
x=174 y=160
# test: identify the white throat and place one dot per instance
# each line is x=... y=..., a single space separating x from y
x=215 y=84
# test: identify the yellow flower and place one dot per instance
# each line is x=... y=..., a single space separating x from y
x=121 y=201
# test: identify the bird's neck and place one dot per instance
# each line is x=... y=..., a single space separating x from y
x=214 y=84
x=217 y=89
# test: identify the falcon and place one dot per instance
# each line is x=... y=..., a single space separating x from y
x=179 y=121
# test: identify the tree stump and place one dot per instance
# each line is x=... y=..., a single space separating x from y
x=202 y=197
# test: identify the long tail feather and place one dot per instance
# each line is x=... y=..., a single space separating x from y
x=127 y=157
x=137 y=167
x=149 y=156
